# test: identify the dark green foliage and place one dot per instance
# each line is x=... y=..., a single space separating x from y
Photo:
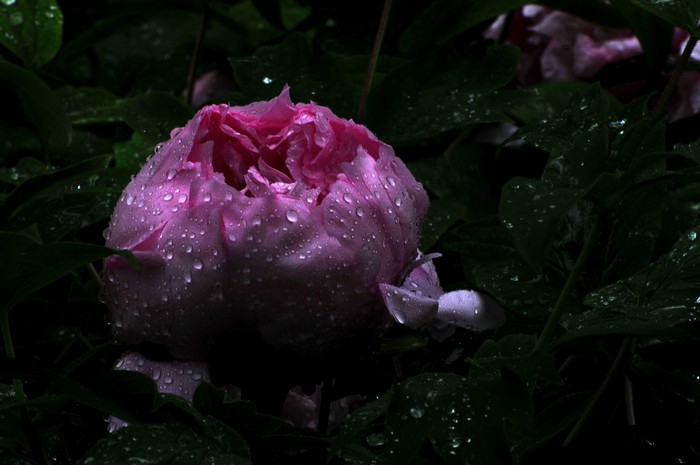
x=521 y=180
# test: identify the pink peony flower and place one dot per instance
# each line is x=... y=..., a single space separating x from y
x=277 y=220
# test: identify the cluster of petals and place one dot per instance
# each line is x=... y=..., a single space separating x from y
x=276 y=219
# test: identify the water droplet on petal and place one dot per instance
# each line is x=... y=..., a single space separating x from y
x=257 y=220
x=347 y=198
x=359 y=212
x=182 y=198
x=171 y=174
x=398 y=201
x=188 y=276
x=168 y=196
x=292 y=216
x=207 y=197
x=198 y=264
x=391 y=181
x=130 y=199
x=232 y=237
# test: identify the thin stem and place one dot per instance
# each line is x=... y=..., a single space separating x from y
x=195 y=53
x=554 y=317
x=671 y=84
x=621 y=354
x=373 y=58
x=629 y=402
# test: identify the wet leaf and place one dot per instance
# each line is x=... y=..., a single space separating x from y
x=684 y=14
x=31 y=29
x=533 y=211
x=448 y=89
x=444 y=19
x=514 y=352
x=40 y=104
x=30 y=266
x=661 y=299
x=153 y=115
x=264 y=74
x=159 y=444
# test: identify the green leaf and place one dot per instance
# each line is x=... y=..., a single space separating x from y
x=39 y=103
x=444 y=19
x=154 y=115
x=446 y=90
x=655 y=36
x=441 y=216
x=90 y=105
x=160 y=444
x=320 y=79
x=132 y=154
x=353 y=442
x=684 y=14
x=533 y=211
x=661 y=299
x=515 y=353
x=635 y=230
x=45 y=184
x=460 y=421
x=216 y=402
x=30 y=266
x=31 y=29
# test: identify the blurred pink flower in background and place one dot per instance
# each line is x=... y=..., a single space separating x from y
x=211 y=87
x=558 y=46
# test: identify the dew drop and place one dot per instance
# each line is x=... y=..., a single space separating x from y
x=292 y=216
x=130 y=199
x=398 y=201
x=416 y=412
x=207 y=197
x=16 y=18
x=198 y=264
x=257 y=220
x=188 y=276
x=189 y=248
x=170 y=174
x=168 y=196
x=347 y=198
x=391 y=181
x=168 y=380
x=182 y=198
x=232 y=237
x=375 y=440
x=692 y=235
x=359 y=212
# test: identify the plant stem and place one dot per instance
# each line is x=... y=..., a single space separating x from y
x=671 y=84
x=373 y=58
x=556 y=314
x=621 y=353
x=195 y=53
